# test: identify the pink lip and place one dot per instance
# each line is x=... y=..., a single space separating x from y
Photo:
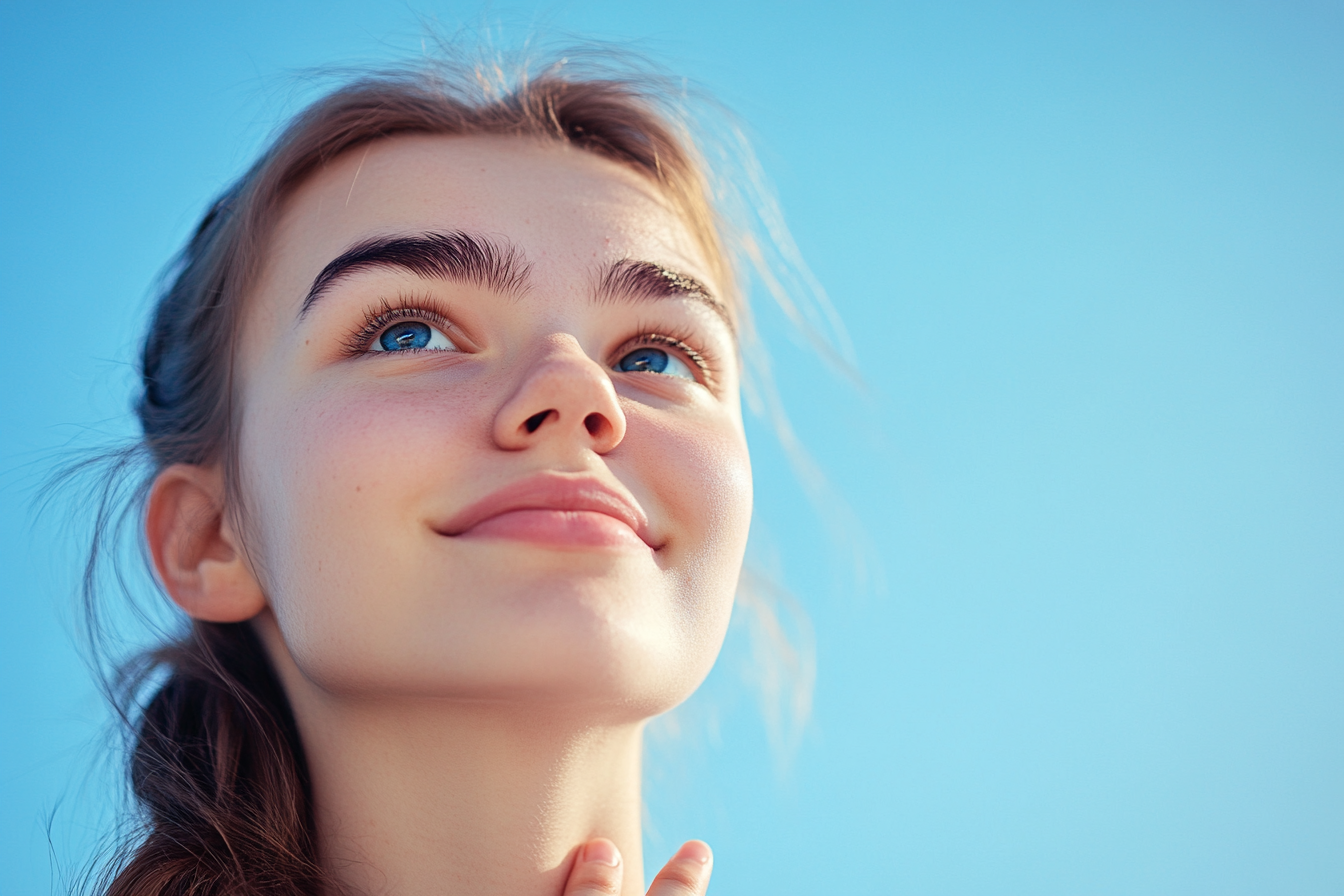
x=555 y=510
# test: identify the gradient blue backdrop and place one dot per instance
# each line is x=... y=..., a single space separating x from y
x=1093 y=261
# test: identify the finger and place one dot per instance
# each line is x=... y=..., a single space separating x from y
x=597 y=870
x=686 y=873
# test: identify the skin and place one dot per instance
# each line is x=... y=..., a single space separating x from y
x=472 y=704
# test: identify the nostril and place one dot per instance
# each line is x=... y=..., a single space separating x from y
x=594 y=423
x=533 y=423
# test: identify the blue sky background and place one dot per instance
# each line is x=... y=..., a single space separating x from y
x=1092 y=259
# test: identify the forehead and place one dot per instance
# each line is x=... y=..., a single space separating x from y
x=567 y=209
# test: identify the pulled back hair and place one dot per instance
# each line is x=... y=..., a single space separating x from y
x=216 y=765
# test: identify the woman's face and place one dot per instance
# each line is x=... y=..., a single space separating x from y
x=495 y=451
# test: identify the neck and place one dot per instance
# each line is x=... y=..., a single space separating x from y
x=468 y=799
x=433 y=797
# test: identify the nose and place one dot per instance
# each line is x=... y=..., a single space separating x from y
x=564 y=395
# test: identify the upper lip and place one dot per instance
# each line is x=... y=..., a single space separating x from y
x=553 y=491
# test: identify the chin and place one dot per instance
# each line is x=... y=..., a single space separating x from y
x=573 y=642
x=614 y=640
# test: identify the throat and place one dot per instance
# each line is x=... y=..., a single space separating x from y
x=424 y=800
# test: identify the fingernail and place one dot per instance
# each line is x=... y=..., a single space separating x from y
x=696 y=850
x=603 y=852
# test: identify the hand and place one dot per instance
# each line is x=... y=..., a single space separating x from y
x=598 y=869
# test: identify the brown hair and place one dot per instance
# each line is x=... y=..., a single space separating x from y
x=216 y=763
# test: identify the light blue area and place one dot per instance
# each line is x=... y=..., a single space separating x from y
x=1093 y=263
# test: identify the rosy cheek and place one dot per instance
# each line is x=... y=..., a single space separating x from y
x=699 y=472
x=345 y=469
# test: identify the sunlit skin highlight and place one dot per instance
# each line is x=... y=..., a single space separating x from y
x=482 y=564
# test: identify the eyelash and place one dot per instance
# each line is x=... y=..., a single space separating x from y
x=680 y=340
x=360 y=342
x=409 y=308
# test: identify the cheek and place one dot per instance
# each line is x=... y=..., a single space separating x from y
x=699 y=477
x=357 y=451
x=339 y=486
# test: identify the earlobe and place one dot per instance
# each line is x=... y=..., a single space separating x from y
x=197 y=555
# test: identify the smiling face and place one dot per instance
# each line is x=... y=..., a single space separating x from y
x=491 y=445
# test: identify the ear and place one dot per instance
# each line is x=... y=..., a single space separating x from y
x=197 y=554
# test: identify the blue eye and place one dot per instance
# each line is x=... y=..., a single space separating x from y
x=647 y=359
x=411 y=334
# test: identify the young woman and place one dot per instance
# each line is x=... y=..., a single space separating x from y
x=449 y=474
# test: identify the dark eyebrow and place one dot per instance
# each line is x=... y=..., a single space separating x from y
x=455 y=255
x=644 y=280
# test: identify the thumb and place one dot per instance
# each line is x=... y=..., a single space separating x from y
x=686 y=873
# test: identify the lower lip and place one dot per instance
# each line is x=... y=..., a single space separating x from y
x=558 y=529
